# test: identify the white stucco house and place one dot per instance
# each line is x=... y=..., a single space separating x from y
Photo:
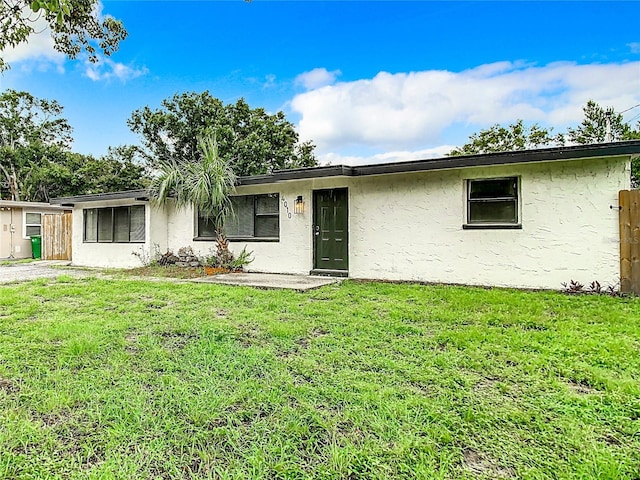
x=530 y=219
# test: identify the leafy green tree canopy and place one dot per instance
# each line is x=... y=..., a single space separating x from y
x=605 y=124
x=75 y=25
x=600 y=125
x=50 y=171
x=25 y=121
x=253 y=141
x=516 y=136
x=35 y=161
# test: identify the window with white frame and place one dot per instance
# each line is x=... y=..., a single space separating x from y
x=32 y=224
x=493 y=203
x=114 y=224
x=255 y=217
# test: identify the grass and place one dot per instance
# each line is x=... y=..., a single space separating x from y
x=166 y=271
x=7 y=262
x=126 y=378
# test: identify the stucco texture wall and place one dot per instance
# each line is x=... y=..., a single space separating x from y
x=291 y=254
x=12 y=243
x=113 y=255
x=410 y=227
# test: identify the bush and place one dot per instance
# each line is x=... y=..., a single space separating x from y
x=224 y=259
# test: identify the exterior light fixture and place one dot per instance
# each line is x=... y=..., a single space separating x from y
x=299 y=205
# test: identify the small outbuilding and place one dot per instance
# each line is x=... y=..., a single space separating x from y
x=19 y=221
x=531 y=219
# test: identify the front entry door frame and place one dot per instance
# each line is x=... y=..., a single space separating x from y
x=330 y=231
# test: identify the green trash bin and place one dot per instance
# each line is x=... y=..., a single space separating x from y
x=36 y=246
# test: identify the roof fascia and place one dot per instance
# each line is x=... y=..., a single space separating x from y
x=142 y=195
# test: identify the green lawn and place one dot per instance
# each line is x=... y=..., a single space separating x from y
x=137 y=380
x=12 y=261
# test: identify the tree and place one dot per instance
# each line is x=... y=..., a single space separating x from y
x=118 y=170
x=634 y=134
x=604 y=124
x=599 y=125
x=25 y=121
x=253 y=141
x=205 y=184
x=75 y=25
x=42 y=171
x=50 y=171
x=35 y=161
x=516 y=136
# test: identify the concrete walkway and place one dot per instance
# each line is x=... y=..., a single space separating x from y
x=20 y=272
x=301 y=283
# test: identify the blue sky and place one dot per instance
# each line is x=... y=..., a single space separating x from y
x=367 y=81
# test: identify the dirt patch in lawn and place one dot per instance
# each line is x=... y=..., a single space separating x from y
x=8 y=386
x=479 y=464
x=582 y=388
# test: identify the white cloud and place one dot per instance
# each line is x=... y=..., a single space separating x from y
x=38 y=53
x=634 y=47
x=333 y=158
x=107 y=69
x=38 y=49
x=317 y=78
x=418 y=109
x=269 y=81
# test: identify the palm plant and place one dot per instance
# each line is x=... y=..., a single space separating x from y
x=205 y=185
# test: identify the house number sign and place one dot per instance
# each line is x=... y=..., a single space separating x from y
x=284 y=204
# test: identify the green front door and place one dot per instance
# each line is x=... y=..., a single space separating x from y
x=331 y=230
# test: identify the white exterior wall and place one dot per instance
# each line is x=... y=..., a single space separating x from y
x=292 y=254
x=409 y=227
x=157 y=228
x=113 y=255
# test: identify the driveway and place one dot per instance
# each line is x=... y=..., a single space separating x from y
x=19 y=272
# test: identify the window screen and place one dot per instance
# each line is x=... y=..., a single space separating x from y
x=32 y=224
x=115 y=224
x=241 y=222
x=91 y=225
x=254 y=216
x=121 y=225
x=136 y=228
x=105 y=225
x=493 y=201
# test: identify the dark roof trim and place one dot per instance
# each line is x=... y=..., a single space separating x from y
x=501 y=158
x=128 y=194
x=299 y=174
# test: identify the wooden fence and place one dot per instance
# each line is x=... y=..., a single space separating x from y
x=56 y=236
x=629 y=202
